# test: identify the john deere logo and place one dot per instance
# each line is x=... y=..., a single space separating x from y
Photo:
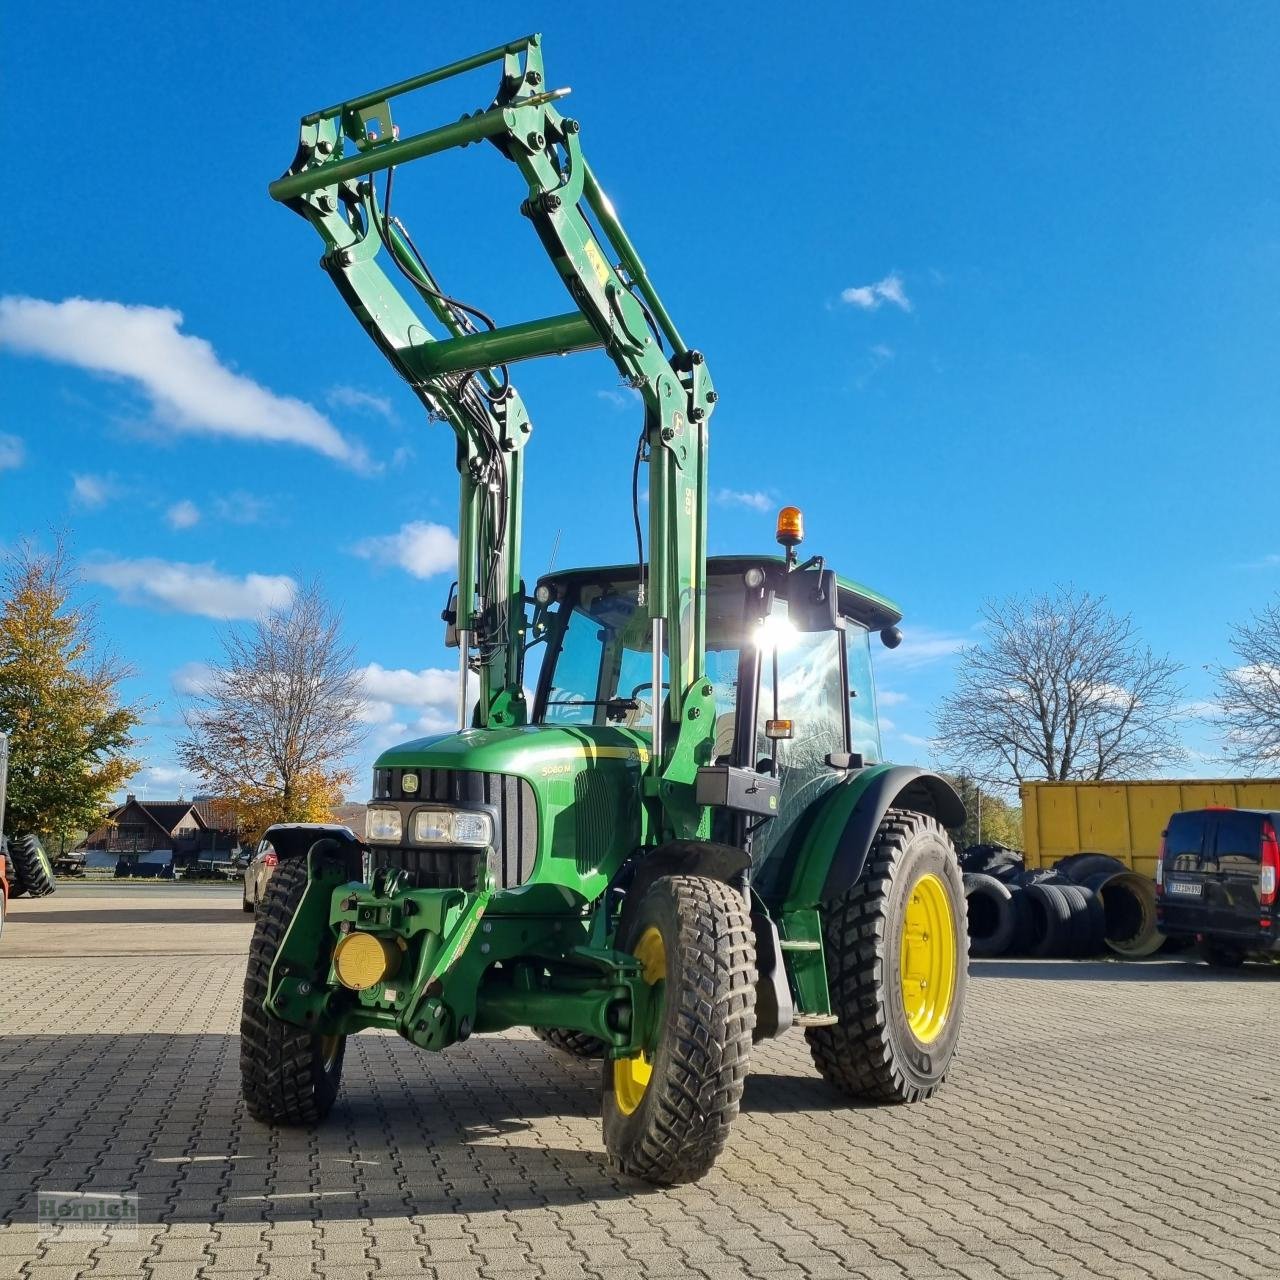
x=773 y=802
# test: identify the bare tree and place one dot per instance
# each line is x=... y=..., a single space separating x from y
x=276 y=722
x=1249 y=694
x=1061 y=688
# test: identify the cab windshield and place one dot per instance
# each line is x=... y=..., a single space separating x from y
x=603 y=658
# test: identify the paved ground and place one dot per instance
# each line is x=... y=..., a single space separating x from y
x=1104 y=1121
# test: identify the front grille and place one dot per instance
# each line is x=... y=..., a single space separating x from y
x=509 y=799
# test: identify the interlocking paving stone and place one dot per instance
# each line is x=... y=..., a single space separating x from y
x=1102 y=1120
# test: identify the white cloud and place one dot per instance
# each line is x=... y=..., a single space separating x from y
x=164 y=777
x=240 y=507
x=890 y=698
x=361 y=401
x=182 y=515
x=192 y=678
x=619 y=397
x=436 y=722
x=870 y=296
x=756 y=499
x=920 y=646
x=914 y=740
x=374 y=712
x=12 y=451
x=430 y=687
x=882 y=351
x=190 y=389
x=192 y=588
x=421 y=548
x=92 y=492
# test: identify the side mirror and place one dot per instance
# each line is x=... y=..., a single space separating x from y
x=813 y=600
x=449 y=616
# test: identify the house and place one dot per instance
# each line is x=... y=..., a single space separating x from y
x=188 y=827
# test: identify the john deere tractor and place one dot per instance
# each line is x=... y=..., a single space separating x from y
x=678 y=837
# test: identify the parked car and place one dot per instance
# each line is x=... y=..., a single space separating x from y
x=257 y=873
x=1217 y=880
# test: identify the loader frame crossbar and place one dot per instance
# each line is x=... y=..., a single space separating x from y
x=461 y=378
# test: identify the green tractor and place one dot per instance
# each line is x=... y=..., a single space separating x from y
x=676 y=839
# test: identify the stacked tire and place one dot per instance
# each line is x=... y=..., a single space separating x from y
x=1084 y=905
x=31 y=872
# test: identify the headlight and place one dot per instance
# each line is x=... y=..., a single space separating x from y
x=452 y=826
x=382 y=824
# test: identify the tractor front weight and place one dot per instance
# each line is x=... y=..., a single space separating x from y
x=437 y=964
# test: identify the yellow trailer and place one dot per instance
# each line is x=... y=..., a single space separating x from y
x=1124 y=819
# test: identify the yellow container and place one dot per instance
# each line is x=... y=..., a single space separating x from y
x=1124 y=819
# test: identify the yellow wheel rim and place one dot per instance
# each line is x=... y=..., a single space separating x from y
x=928 y=958
x=631 y=1075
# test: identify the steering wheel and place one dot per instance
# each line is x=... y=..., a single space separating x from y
x=646 y=684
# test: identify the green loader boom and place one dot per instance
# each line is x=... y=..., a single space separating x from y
x=686 y=839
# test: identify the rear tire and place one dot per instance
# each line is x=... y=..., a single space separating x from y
x=577 y=1044
x=873 y=1052
x=287 y=1075
x=35 y=874
x=667 y=1112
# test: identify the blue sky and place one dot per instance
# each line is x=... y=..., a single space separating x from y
x=990 y=291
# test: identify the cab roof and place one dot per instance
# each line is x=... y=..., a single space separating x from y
x=856 y=601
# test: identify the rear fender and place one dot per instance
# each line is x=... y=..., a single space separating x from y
x=833 y=851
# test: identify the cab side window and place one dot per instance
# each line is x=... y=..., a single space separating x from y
x=864 y=724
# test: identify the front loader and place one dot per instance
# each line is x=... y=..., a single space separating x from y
x=664 y=830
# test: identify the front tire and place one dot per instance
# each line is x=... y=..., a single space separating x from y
x=667 y=1111
x=287 y=1075
x=897 y=953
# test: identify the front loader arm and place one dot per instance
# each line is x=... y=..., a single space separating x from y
x=460 y=375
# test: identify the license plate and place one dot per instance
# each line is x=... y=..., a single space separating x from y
x=1186 y=888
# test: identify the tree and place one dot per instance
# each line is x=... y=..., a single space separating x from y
x=1249 y=694
x=989 y=819
x=274 y=725
x=70 y=735
x=1061 y=688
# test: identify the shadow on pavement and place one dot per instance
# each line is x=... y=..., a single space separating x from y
x=129 y=915
x=1177 y=969
x=492 y=1125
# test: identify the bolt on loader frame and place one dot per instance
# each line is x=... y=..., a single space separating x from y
x=654 y=881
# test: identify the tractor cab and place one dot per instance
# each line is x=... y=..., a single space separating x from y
x=790 y=673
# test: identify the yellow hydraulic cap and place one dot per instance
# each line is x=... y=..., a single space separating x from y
x=790 y=527
x=362 y=960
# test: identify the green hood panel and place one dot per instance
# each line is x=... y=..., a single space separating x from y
x=529 y=751
x=585 y=781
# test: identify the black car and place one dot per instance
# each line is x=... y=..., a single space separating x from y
x=1217 y=879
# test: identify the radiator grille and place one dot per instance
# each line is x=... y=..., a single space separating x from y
x=509 y=799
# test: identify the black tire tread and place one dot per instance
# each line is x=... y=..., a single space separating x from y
x=34 y=879
x=857 y=1054
x=280 y=1078
x=690 y=1108
x=577 y=1044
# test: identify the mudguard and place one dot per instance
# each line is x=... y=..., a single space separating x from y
x=295 y=840
x=833 y=851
